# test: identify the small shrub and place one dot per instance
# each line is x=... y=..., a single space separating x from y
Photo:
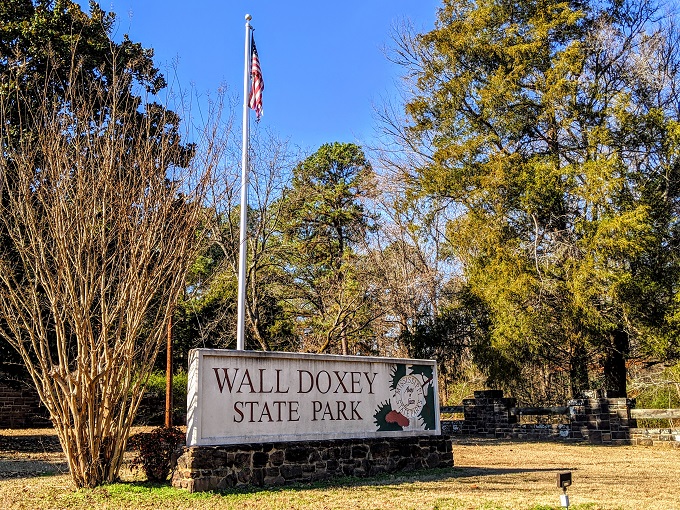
x=152 y=408
x=156 y=385
x=155 y=450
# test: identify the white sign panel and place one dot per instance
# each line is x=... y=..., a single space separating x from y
x=253 y=397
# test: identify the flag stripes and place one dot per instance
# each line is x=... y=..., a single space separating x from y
x=257 y=83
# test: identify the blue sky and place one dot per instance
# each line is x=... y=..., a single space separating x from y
x=323 y=62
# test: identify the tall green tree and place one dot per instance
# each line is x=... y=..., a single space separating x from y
x=45 y=43
x=327 y=224
x=553 y=125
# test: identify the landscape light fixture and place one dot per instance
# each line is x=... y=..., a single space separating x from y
x=564 y=481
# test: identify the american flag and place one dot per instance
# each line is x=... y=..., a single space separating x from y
x=257 y=83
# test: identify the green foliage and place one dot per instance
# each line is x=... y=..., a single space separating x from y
x=327 y=216
x=46 y=45
x=424 y=370
x=325 y=224
x=206 y=315
x=459 y=324
x=180 y=381
x=307 y=287
x=552 y=126
x=655 y=397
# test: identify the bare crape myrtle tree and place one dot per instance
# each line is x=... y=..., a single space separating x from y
x=100 y=217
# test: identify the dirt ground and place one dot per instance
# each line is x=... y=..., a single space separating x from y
x=487 y=474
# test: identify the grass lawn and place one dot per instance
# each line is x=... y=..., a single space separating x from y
x=488 y=475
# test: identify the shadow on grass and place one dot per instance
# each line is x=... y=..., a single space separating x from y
x=29 y=468
x=30 y=444
x=425 y=475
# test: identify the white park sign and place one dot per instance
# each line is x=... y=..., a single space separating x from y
x=252 y=397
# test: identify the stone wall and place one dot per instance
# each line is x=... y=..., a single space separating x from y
x=601 y=420
x=527 y=431
x=595 y=419
x=488 y=414
x=204 y=468
x=20 y=406
x=655 y=437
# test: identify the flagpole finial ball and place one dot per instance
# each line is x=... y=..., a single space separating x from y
x=248 y=17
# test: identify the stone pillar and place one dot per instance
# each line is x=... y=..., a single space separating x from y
x=620 y=420
x=601 y=420
x=488 y=414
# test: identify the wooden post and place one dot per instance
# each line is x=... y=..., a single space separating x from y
x=168 y=377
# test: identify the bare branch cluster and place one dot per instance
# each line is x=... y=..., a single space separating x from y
x=99 y=225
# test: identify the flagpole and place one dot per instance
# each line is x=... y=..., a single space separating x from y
x=243 y=247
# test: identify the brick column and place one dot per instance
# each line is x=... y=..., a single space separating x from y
x=601 y=420
x=488 y=414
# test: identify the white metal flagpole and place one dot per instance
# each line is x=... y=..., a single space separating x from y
x=243 y=247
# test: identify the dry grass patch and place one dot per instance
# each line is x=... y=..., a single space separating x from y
x=604 y=477
x=488 y=475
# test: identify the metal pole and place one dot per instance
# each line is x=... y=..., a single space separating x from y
x=243 y=247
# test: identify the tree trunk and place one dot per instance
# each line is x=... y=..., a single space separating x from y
x=578 y=372
x=615 y=365
x=343 y=342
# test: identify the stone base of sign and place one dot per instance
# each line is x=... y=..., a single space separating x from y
x=205 y=468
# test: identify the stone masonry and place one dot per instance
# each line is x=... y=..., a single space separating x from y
x=204 y=468
x=487 y=414
x=655 y=437
x=595 y=419
x=601 y=420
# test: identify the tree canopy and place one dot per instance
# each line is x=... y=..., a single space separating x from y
x=326 y=223
x=554 y=125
